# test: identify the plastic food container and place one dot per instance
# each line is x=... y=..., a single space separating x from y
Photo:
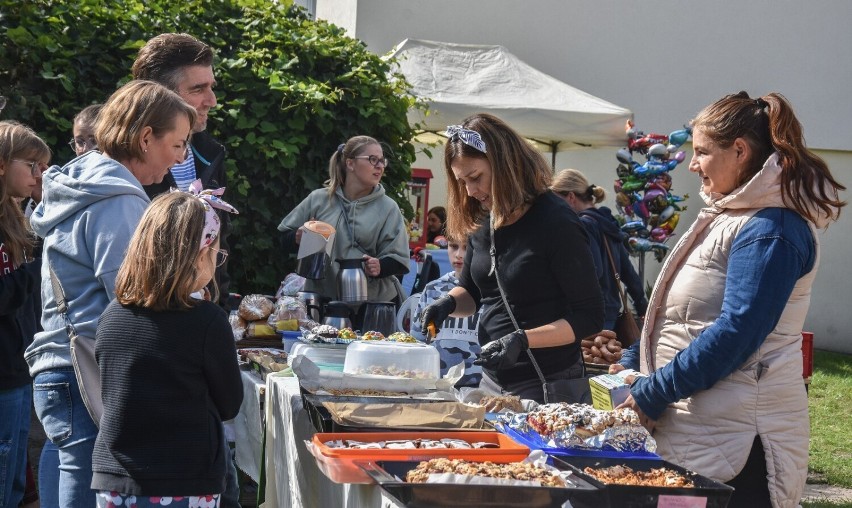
x=339 y=464
x=326 y=357
x=290 y=339
x=392 y=360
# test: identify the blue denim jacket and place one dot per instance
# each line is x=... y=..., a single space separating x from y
x=771 y=252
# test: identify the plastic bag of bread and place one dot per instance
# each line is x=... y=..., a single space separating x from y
x=259 y=329
x=288 y=311
x=238 y=325
x=255 y=308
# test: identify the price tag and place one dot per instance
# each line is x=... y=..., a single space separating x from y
x=681 y=502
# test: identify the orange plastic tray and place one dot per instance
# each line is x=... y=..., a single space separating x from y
x=339 y=464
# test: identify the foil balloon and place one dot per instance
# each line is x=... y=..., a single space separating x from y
x=648 y=211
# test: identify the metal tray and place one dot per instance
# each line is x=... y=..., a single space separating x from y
x=716 y=494
x=389 y=474
x=323 y=422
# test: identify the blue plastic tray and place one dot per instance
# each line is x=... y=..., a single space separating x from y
x=534 y=442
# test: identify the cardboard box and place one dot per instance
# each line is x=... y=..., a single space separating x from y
x=608 y=391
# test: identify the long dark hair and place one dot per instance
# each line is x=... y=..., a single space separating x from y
x=769 y=125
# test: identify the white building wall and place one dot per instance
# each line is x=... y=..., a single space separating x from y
x=664 y=60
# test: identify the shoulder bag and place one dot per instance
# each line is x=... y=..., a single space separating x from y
x=82 y=357
x=559 y=390
x=626 y=329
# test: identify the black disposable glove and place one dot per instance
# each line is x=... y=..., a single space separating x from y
x=503 y=352
x=437 y=313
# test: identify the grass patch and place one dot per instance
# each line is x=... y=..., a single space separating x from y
x=830 y=405
x=826 y=504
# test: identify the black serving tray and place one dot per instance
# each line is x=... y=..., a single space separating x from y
x=389 y=475
x=634 y=496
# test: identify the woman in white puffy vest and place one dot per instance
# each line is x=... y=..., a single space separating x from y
x=721 y=345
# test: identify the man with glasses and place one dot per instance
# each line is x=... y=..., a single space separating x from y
x=184 y=64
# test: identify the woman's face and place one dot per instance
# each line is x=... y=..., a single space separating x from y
x=84 y=137
x=433 y=222
x=361 y=171
x=456 y=252
x=22 y=175
x=475 y=175
x=163 y=152
x=718 y=168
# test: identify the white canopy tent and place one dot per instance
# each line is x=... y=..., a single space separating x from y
x=458 y=80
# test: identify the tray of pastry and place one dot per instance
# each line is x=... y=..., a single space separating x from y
x=264 y=361
x=495 y=485
x=644 y=483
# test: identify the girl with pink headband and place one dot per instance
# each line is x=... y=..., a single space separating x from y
x=168 y=362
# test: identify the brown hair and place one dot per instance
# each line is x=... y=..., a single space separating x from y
x=163 y=58
x=519 y=174
x=159 y=271
x=575 y=182
x=337 y=164
x=17 y=141
x=134 y=106
x=89 y=115
x=769 y=125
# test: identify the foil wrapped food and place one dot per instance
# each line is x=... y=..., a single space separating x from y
x=581 y=426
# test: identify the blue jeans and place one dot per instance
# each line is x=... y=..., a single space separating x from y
x=15 y=404
x=67 y=423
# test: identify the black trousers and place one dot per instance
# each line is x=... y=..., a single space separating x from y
x=751 y=487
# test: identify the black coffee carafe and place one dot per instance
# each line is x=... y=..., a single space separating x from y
x=337 y=314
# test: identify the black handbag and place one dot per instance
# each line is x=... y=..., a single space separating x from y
x=573 y=391
x=82 y=357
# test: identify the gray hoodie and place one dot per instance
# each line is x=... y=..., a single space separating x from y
x=89 y=211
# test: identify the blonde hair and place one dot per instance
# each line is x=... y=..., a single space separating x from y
x=337 y=164
x=134 y=106
x=575 y=182
x=519 y=174
x=17 y=141
x=160 y=269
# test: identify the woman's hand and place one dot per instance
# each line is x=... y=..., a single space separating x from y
x=615 y=368
x=646 y=422
x=503 y=352
x=372 y=268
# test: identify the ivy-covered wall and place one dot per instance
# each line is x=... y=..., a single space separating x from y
x=290 y=90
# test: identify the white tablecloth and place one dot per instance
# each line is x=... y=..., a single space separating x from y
x=292 y=476
x=248 y=426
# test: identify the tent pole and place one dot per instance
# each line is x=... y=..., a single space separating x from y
x=553 y=146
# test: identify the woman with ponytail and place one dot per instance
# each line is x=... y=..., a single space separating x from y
x=368 y=223
x=602 y=227
x=721 y=346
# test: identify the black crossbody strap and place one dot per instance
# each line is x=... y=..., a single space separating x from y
x=493 y=253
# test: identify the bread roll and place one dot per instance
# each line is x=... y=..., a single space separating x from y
x=255 y=307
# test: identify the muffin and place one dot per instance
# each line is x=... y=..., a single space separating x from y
x=373 y=335
x=347 y=334
x=401 y=337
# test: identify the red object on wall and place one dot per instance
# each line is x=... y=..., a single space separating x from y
x=418 y=196
x=807 y=355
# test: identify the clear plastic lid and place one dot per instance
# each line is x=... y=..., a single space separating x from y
x=392 y=359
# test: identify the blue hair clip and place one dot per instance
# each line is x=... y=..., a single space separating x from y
x=340 y=147
x=467 y=136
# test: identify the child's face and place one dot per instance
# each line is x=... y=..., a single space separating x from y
x=84 y=138
x=456 y=252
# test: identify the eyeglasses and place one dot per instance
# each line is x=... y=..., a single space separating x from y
x=80 y=144
x=221 y=256
x=35 y=166
x=373 y=160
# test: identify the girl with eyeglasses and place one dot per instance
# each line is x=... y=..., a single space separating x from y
x=169 y=384
x=22 y=153
x=368 y=223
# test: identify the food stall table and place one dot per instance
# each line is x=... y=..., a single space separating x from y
x=248 y=426
x=292 y=476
